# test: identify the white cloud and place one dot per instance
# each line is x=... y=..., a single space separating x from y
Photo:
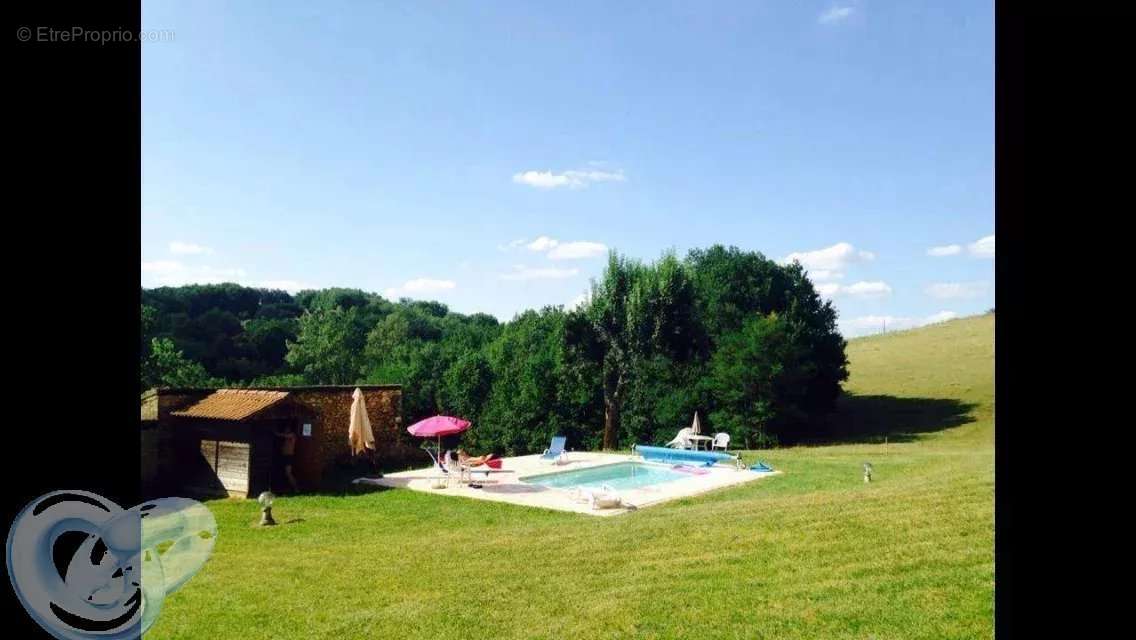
x=580 y=300
x=543 y=243
x=828 y=289
x=941 y=316
x=876 y=324
x=291 y=286
x=173 y=273
x=420 y=286
x=876 y=289
x=161 y=266
x=596 y=175
x=557 y=250
x=873 y=324
x=521 y=272
x=835 y=14
x=573 y=179
x=188 y=249
x=945 y=250
x=512 y=245
x=577 y=250
x=823 y=275
x=952 y=290
x=983 y=247
x=541 y=179
x=836 y=258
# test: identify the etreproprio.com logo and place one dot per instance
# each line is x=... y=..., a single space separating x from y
x=85 y=568
x=46 y=34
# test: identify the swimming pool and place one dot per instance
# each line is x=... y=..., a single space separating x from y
x=623 y=475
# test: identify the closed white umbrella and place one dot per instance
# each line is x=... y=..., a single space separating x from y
x=359 y=433
x=696 y=428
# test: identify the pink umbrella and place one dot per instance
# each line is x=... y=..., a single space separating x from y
x=437 y=427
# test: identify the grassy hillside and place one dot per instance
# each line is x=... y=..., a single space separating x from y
x=813 y=553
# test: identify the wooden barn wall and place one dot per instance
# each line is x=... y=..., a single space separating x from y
x=262 y=451
x=190 y=469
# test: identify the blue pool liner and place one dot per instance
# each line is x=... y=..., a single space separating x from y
x=665 y=454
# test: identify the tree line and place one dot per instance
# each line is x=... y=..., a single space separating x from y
x=743 y=340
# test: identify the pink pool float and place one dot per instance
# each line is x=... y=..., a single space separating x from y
x=686 y=468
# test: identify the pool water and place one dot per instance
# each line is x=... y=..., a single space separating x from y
x=623 y=475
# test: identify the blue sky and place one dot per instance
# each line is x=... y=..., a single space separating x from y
x=487 y=154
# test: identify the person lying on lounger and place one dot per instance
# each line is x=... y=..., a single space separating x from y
x=472 y=461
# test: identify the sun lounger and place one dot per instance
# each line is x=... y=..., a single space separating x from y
x=686 y=468
x=555 y=452
x=604 y=497
x=464 y=472
x=440 y=476
x=682 y=440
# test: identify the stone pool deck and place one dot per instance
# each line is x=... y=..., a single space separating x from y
x=511 y=487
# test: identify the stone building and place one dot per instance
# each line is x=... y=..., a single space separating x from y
x=210 y=442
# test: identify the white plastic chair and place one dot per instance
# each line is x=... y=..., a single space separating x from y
x=682 y=440
x=721 y=441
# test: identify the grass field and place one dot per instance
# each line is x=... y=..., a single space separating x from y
x=815 y=553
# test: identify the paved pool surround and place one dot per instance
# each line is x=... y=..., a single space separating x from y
x=510 y=487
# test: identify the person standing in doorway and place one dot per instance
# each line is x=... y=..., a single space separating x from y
x=288 y=453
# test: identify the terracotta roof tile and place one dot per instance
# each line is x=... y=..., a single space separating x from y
x=232 y=404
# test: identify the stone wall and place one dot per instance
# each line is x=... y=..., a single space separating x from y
x=331 y=419
x=327 y=409
x=156 y=438
x=149 y=456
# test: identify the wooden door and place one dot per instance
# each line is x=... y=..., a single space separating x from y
x=228 y=467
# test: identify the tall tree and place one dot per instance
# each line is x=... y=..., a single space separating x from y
x=329 y=346
x=524 y=408
x=733 y=285
x=656 y=342
x=166 y=366
x=756 y=376
x=608 y=312
x=639 y=312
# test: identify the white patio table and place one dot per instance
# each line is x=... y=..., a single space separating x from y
x=697 y=440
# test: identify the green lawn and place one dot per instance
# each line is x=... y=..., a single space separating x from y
x=815 y=553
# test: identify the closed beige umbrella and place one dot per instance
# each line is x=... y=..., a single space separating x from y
x=696 y=428
x=359 y=433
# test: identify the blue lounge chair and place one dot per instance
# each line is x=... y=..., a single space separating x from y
x=555 y=451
